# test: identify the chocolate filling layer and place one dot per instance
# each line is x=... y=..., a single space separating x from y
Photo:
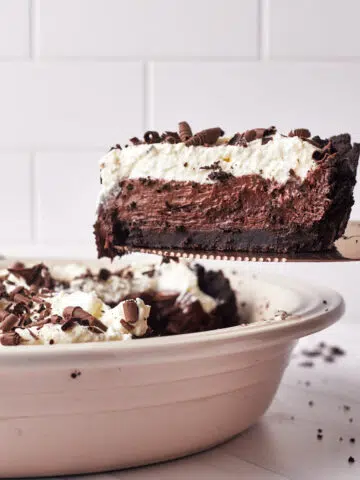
x=235 y=213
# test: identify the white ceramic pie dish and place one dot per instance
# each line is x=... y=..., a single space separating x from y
x=150 y=400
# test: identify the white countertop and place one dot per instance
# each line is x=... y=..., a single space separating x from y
x=284 y=444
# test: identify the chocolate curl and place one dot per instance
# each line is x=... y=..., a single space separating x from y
x=8 y=321
x=327 y=150
x=55 y=319
x=264 y=132
x=170 y=137
x=37 y=275
x=152 y=137
x=238 y=140
x=136 y=141
x=185 y=132
x=270 y=131
x=19 y=298
x=74 y=315
x=300 y=132
x=10 y=339
x=131 y=311
x=128 y=327
x=250 y=135
x=205 y=137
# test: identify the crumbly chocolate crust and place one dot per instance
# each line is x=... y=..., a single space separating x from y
x=245 y=213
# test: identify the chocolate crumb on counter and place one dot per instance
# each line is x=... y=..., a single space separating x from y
x=307 y=364
x=352 y=440
x=319 y=436
x=351 y=459
x=311 y=403
x=75 y=374
x=337 y=351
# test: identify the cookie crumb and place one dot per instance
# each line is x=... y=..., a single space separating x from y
x=311 y=403
x=351 y=459
x=352 y=440
x=75 y=374
x=307 y=364
x=319 y=436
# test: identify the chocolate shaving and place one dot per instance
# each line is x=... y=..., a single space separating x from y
x=238 y=140
x=185 y=132
x=56 y=319
x=115 y=147
x=300 y=132
x=128 y=327
x=8 y=321
x=205 y=137
x=73 y=315
x=318 y=155
x=170 y=137
x=250 y=135
x=220 y=176
x=136 y=141
x=131 y=311
x=37 y=275
x=104 y=274
x=152 y=137
x=10 y=339
x=20 y=298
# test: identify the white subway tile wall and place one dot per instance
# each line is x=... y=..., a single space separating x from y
x=79 y=75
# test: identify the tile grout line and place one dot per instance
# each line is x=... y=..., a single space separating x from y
x=33 y=213
x=31 y=29
x=263 y=29
x=148 y=100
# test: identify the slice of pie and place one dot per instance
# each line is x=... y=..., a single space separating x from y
x=258 y=191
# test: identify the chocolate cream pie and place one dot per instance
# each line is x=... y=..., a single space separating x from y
x=258 y=191
x=71 y=304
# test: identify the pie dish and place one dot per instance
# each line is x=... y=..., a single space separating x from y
x=82 y=408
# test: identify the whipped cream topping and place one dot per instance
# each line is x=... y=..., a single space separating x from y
x=165 y=161
x=110 y=317
x=166 y=277
x=90 y=295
